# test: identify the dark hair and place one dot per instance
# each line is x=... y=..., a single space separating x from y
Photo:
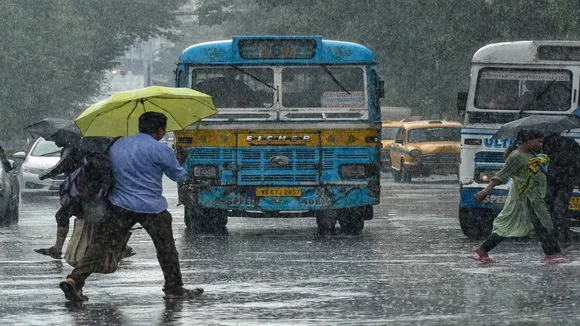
x=522 y=136
x=150 y=122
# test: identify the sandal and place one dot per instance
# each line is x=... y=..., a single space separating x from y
x=127 y=252
x=485 y=260
x=555 y=260
x=184 y=294
x=70 y=291
x=51 y=252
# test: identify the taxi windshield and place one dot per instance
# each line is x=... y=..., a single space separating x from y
x=389 y=133
x=434 y=134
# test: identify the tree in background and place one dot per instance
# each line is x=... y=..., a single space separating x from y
x=54 y=54
x=423 y=47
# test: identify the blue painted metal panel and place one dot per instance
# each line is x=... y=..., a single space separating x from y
x=330 y=197
x=255 y=167
x=333 y=157
x=223 y=157
x=495 y=200
x=489 y=157
x=226 y=52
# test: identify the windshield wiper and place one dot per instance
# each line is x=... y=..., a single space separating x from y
x=329 y=73
x=254 y=77
x=50 y=154
x=537 y=97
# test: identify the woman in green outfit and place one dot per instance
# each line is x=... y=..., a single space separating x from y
x=525 y=209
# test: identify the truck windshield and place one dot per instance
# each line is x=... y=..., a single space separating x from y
x=524 y=89
x=323 y=87
x=235 y=87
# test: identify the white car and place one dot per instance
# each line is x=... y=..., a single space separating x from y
x=43 y=155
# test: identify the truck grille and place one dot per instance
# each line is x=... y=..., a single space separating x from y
x=256 y=166
x=489 y=157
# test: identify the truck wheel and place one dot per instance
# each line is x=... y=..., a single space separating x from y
x=204 y=220
x=352 y=220
x=475 y=223
x=326 y=221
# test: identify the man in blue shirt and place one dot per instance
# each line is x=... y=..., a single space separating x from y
x=138 y=163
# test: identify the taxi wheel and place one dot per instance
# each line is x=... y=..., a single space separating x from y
x=326 y=221
x=405 y=174
x=397 y=176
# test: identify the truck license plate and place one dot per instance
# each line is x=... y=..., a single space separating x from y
x=279 y=192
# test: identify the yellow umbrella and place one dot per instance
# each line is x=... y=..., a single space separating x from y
x=119 y=114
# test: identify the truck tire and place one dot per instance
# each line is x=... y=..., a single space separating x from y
x=352 y=220
x=475 y=223
x=326 y=221
x=205 y=220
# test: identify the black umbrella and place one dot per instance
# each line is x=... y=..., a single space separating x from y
x=548 y=124
x=95 y=144
x=60 y=131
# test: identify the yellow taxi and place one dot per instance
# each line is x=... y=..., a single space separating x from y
x=422 y=148
x=388 y=133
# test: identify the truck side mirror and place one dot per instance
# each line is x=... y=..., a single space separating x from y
x=381 y=88
x=461 y=102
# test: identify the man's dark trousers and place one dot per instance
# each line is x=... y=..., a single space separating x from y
x=558 y=199
x=111 y=231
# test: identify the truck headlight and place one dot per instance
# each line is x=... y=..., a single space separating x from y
x=354 y=171
x=485 y=175
x=205 y=171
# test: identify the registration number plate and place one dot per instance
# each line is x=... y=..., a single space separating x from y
x=278 y=192
x=574 y=204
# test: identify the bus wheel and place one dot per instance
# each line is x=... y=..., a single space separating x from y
x=352 y=220
x=475 y=223
x=326 y=221
x=203 y=220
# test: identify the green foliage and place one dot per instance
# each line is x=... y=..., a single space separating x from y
x=423 y=47
x=54 y=53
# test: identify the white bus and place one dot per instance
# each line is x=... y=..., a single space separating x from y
x=508 y=81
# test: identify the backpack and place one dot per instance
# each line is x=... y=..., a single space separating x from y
x=84 y=191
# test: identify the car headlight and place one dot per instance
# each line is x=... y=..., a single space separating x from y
x=415 y=154
x=205 y=171
x=485 y=175
x=353 y=171
x=28 y=169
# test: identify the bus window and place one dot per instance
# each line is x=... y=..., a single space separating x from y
x=231 y=88
x=317 y=87
x=519 y=89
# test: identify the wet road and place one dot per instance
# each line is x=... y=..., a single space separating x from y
x=407 y=268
